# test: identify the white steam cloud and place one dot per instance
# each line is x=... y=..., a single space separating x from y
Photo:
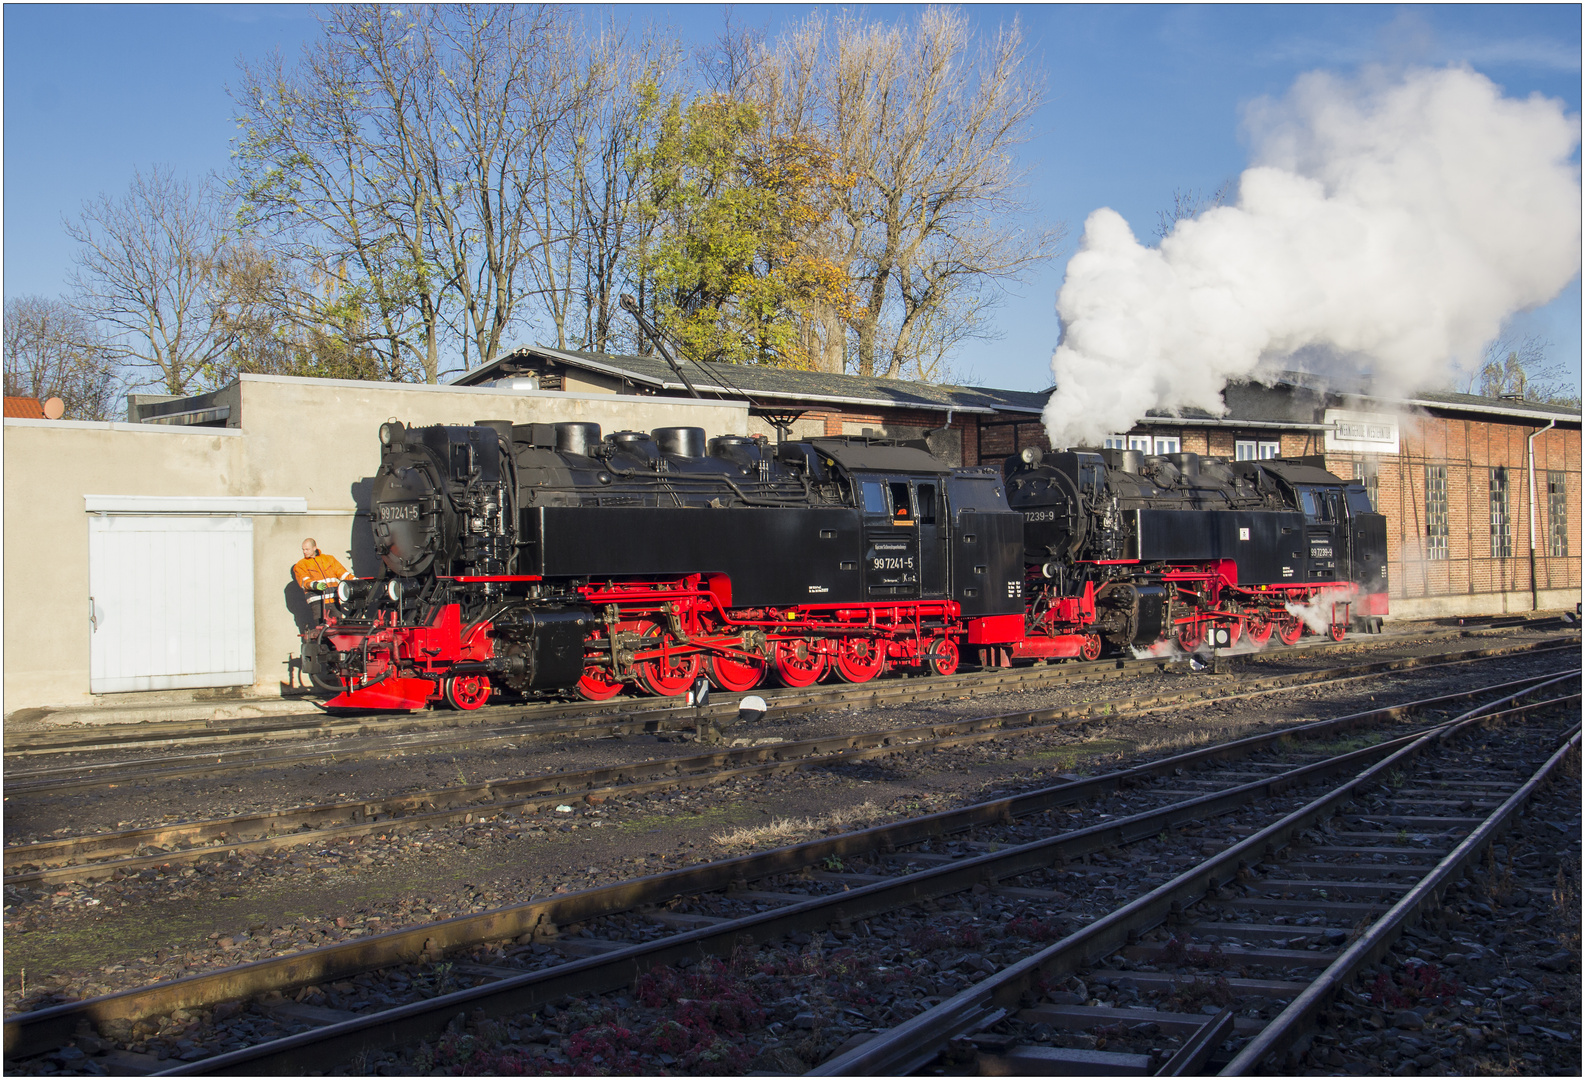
x=1385 y=227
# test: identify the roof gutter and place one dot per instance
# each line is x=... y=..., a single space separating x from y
x=1493 y=410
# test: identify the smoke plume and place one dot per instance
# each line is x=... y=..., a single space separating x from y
x=1385 y=228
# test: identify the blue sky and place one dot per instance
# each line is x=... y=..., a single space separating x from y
x=1141 y=100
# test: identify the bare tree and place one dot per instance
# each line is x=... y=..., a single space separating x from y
x=145 y=273
x=326 y=172
x=1516 y=368
x=1191 y=203
x=926 y=120
x=51 y=351
x=413 y=146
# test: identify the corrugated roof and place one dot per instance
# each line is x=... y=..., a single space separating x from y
x=25 y=408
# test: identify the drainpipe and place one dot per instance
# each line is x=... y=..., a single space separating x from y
x=1535 y=602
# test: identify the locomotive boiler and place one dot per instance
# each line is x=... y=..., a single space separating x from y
x=1129 y=551
x=535 y=558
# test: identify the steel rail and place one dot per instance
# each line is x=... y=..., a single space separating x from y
x=1373 y=944
x=40 y=1030
x=118 y=851
x=62 y=779
x=886 y=1052
x=526 y=992
x=309 y=725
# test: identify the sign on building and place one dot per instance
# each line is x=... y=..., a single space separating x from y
x=1361 y=432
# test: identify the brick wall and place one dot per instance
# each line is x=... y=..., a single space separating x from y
x=1469 y=449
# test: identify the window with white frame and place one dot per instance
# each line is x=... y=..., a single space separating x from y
x=1166 y=444
x=1245 y=450
x=1116 y=442
x=1270 y=448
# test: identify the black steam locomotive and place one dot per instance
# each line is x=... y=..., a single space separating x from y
x=1133 y=550
x=536 y=557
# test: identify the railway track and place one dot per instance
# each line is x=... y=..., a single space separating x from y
x=99 y=856
x=85 y=776
x=1024 y=848
x=562 y=716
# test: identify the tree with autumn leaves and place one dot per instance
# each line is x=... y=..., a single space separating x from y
x=732 y=269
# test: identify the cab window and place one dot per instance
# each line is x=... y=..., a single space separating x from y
x=925 y=494
x=1320 y=506
x=902 y=508
x=874 y=495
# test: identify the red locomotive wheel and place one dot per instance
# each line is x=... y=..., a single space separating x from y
x=1090 y=648
x=798 y=663
x=1191 y=635
x=858 y=659
x=597 y=684
x=943 y=657
x=1259 y=629
x=1289 y=630
x=1336 y=631
x=734 y=674
x=1235 y=625
x=670 y=675
x=466 y=692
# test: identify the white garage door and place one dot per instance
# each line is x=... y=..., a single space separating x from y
x=172 y=602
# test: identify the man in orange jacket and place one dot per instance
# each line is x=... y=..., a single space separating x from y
x=316 y=572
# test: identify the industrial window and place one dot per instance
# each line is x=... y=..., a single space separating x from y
x=1139 y=442
x=1270 y=448
x=1557 y=513
x=1166 y=444
x=1365 y=473
x=1116 y=442
x=1436 y=511
x=1501 y=535
x=1246 y=450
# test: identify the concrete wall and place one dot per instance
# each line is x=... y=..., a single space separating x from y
x=311 y=438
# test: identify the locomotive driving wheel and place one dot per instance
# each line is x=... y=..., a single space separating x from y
x=858 y=659
x=466 y=692
x=1259 y=628
x=671 y=673
x=799 y=663
x=598 y=684
x=1289 y=629
x=735 y=674
x=1191 y=635
x=1235 y=625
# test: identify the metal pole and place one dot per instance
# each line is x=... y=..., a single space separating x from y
x=1535 y=596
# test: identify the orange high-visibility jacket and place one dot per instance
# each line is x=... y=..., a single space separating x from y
x=319 y=568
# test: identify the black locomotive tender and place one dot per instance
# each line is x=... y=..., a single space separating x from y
x=536 y=558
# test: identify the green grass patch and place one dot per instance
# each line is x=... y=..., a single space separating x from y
x=1064 y=758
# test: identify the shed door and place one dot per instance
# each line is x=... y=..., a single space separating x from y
x=172 y=602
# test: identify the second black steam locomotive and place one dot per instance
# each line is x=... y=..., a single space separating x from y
x=536 y=557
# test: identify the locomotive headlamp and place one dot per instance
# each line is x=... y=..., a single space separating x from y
x=393 y=589
x=1031 y=455
x=344 y=591
x=391 y=431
